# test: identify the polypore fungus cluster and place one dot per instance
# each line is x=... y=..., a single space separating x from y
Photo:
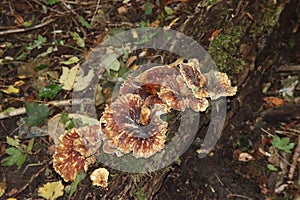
x=132 y=122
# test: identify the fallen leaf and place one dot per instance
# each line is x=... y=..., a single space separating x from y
x=215 y=34
x=84 y=23
x=70 y=61
x=49 y=91
x=11 y=90
x=250 y=16
x=288 y=86
x=51 y=191
x=79 y=41
x=68 y=76
x=169 y=10
x=82 y=82
x=155 y=23
x=19 y=83
x=55 y=128
x=36 y=113
x=15 y=157
x=122 y=10
x=245 y=157
x=12 y=141
x=274 y=101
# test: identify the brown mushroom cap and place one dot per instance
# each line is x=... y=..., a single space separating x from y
x=194 y=79
x=176 y=94
x=70 y=155
x=130 y=125
x=219 y=85
x=148 y=82
x=99 y=177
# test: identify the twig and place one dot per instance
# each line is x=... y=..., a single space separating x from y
x=20 y=111
x=295 y=160
x=95 y=12
x=241 y=196
x=21 y=30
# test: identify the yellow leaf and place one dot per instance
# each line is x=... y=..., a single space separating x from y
x=51 y=191
x=68 y=77
x=21 y=77
x=70 y=61
x=19 y=83
x=11 y=89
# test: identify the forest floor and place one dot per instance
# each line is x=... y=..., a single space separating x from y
x=257 y=156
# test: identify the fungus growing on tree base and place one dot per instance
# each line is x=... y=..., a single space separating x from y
x=99 y=177
x=130 y=125
x=72 y=155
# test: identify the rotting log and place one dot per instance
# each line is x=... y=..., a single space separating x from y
x=254 y=49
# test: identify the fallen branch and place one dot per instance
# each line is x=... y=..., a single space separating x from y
x=295 y=160
x=69 y=102
x=21 y=30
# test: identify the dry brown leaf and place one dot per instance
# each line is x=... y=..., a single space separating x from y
x=274 y=101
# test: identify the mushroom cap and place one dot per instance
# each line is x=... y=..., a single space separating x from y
x=99 y=177
x=219 y=85
x=130 y=125
x=70 y=155
x=194 y=79
x=176 y=94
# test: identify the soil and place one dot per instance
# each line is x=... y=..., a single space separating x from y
x=220 y=175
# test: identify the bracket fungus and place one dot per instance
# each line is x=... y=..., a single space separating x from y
x=99 y=177
x=73 y=155
x=133 y=121
x=130 y=125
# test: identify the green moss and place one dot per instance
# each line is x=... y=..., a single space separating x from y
x=267 y=18
x=139 y=194
x=224 y=50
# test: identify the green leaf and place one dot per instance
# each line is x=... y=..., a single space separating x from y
x=79 y=41
x=50 y=91
x=169 y=10
x=52 y=2
x=64 y=117
x=283 y=144
x=70 y=61
x=15 y=157
x=41 y=67
x=148 y=8
x=12 y=141
x=84 y=23
x=272 y=167
x=21 y=159
x=40 y=41
x=51 y=191
x=79 y=177
x=36 y=113
x=30 y=145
